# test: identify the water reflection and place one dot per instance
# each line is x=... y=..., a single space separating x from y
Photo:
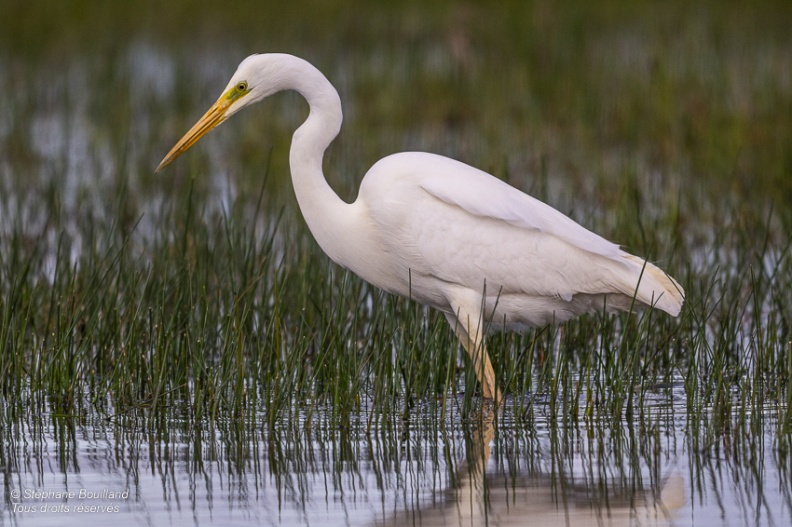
x=424 y=470
x=505 y=495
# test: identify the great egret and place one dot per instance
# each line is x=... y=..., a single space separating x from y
x=441 y=232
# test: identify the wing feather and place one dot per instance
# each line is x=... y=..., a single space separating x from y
x=483 y=195
x=459 y=225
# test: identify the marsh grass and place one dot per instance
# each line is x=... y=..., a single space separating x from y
x=197 y=299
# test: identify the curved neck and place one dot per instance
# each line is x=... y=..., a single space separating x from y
x=324 y=212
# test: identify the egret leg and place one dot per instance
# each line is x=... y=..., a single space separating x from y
x=473 y=342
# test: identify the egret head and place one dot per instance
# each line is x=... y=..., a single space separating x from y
x=255 y=78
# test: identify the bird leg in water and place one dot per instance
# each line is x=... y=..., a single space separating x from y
x=478 y=353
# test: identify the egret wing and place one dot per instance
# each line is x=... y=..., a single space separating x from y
x=463 y=226
x=483 y=195
x=439 y=219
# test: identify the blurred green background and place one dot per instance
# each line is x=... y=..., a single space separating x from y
x=699 y=90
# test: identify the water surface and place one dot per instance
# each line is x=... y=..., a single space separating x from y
x=423 y=470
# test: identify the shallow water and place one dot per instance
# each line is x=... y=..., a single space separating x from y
x=496 y=469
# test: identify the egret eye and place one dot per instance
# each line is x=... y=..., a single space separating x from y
x=242 y=86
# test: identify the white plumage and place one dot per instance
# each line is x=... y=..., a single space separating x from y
x=441 y=232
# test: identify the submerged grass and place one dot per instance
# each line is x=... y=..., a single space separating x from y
x=204 y=296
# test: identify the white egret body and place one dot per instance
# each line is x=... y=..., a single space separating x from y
x=441 y=232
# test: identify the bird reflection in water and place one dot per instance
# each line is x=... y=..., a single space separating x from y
x=497 y=498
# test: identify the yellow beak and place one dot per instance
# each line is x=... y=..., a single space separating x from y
x=213 y=117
